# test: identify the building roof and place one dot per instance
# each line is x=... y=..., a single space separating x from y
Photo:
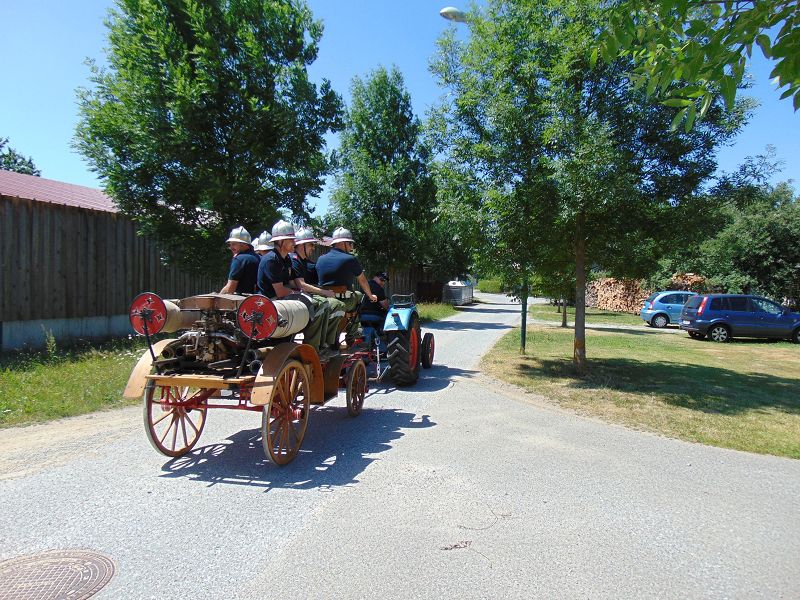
x=29 y=187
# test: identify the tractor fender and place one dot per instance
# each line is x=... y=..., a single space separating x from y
x=272 y=365
x=137 y=381
x=398 y=319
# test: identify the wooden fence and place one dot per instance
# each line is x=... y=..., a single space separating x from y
x=63 y=262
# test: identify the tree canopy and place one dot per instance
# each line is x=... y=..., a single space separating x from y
x=205 y=118
x=574 y=168
x=691 y=50
x=384 y=191
x=11 y=160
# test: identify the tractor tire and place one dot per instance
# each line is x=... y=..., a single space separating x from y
x=403 y=352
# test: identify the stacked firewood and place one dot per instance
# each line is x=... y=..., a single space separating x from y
x=591 y=294
x=618 y=295
x=688 y=281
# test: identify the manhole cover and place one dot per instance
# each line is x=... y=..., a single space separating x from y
x=61 y=574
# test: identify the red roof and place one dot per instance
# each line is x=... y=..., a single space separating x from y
x=17 y=185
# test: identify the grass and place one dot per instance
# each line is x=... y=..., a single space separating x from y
x=434 y=311
x=593 y=315
x=65 y=382
x=744 y=395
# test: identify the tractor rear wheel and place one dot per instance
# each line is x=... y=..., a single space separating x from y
x=404 y=354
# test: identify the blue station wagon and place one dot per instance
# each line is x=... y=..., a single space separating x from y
x=721 y=317
x=662 y=308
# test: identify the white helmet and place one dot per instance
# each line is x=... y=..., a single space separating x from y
x=239 y=234
x=264 y=241
x=340 y=234
x=304 y=236
x=282 y=231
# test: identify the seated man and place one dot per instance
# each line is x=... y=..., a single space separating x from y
x=277 y=279
x=374 y=313
x=244 y=264
x=337 y=271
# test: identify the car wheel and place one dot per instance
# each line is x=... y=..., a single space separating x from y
x=719 y=333
x=659 y=321
x=796 y=336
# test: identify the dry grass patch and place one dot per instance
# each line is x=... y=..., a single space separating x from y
x=546 y=312
x=743 y=395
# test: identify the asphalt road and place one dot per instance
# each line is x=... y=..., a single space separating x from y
x=456 y=488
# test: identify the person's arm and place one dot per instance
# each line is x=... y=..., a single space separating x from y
x=312 y=289
x=281 y=291
x=384 y=304
x=230 y=287
x=362 y=281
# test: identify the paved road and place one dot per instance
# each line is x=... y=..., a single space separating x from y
x=457 y=488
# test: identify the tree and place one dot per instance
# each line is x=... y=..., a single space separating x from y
x=585 y=168
x=384 y=191
x=205 y=119
x=691 y=50
x=11 y=160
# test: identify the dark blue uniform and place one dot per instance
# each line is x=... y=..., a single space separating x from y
x=338 y=268
x=305 y=268
x=373 y=308
x=274 y=269
x=244 y=269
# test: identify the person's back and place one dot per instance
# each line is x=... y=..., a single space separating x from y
x=338 y=268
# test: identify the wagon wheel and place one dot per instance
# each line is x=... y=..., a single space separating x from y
x=174 y=417
x=285 y=418
x=356 y=387
x=428 y=350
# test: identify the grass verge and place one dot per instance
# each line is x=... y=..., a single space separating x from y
x=744 y=395
x=434 y=311
x=61 y=383
x=547 y=312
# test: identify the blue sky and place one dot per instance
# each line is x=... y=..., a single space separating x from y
x=45 y=43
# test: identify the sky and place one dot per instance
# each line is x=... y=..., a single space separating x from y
x=45 y=43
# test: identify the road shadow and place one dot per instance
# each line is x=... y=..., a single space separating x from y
x=335 y=451
x=464 y=325
x=702 y=388
x=435 y=379
x=474 y=309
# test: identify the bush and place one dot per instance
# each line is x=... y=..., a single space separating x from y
x=490 y=286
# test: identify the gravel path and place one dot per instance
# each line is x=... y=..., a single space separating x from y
x=457 y=488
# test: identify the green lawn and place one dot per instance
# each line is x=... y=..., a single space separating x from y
x=39 y=386
x=434 y=311
x=743 y=395
x=593 y=315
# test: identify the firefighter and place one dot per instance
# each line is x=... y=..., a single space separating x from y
x=337 y=271
x=263 y=243
x=307 y=273
x=374 y=313
x=243 y=272
x=277 y=279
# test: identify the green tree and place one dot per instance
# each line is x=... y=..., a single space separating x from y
x=205 y=118
x=692 y=50
x=584 y=166
x=11 y=160
x=384 y=191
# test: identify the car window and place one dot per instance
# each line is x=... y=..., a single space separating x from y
x=667 y=299
x=651 y=297
x=716 y=304
x=683 y=298
x=694 y=301
x=738 y=304
x=760 y=304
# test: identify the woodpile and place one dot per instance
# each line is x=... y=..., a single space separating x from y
x=691 y=282
x=618 y=295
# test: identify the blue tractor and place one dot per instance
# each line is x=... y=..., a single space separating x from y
x=399 y=342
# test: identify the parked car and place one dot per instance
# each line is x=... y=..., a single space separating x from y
x=662 y=308
x=721 y=317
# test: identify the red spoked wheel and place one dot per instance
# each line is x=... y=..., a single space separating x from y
x=428 y=350
x=356 y=389
x=285 y=418
x=174 y=417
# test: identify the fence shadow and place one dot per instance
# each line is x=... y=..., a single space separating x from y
x=464 y=325
x=696 y=387
x=335 y=450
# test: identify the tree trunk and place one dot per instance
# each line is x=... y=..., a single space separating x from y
x=564 y=314
x=524 y=325
x=579 y=350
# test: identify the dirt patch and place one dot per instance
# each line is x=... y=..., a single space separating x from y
x=33 y=448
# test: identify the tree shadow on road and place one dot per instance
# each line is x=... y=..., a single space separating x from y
x=335 y=451
x=464 y=326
